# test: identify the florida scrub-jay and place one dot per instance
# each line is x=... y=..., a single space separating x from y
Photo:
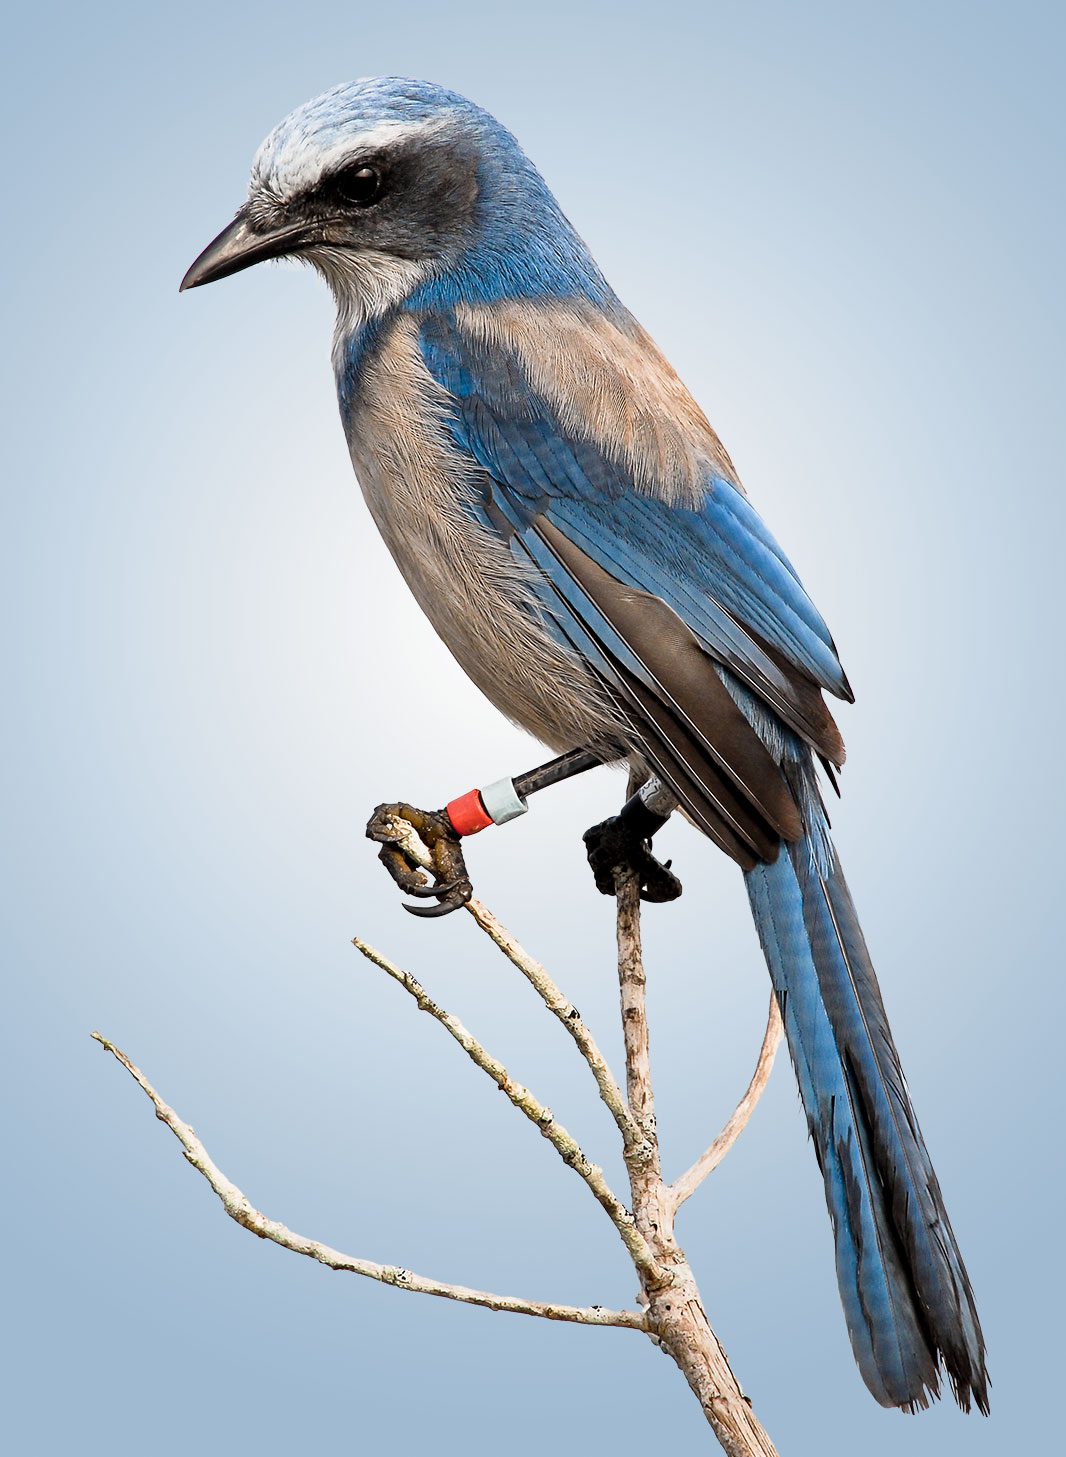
x=577 y=535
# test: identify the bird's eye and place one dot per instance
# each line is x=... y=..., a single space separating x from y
x=358 y=186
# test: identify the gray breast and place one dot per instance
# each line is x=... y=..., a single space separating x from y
x=464 y=577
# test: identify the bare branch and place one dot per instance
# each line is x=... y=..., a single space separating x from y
x=675 y=1312
x=239 y=1209
x=560 y=1006
x=685 y=1186
x=544 y=1120
x=672 y=1311
x=565 y=1011
x=632 y=988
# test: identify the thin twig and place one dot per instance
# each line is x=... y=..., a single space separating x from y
x=564 y=1010
x=560 y=1006
x=238 y=1208
x=684 y=1187
x=561 y=1140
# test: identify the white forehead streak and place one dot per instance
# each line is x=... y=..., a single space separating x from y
x=294 y=158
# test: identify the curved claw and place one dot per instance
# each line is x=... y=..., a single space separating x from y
x=431 y=912
x=452 y=889
x=453 y=897
x=429 y=891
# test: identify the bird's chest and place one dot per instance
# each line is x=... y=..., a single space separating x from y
x=417 y=486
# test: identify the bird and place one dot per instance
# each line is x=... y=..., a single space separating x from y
x=579 y=538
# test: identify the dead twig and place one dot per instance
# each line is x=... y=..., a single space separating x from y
x=239 y=1208
x=672 y=1312
x=686 y=1185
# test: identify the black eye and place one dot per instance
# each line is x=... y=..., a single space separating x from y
x=358 y=186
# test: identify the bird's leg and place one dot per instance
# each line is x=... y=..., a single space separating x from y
x=443 y=831
x=624 y=843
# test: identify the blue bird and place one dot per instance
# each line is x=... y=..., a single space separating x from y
x=577 y=535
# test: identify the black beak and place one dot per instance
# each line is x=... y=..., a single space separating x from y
x=238 y=246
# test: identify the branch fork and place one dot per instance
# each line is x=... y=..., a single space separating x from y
x=671 y=1312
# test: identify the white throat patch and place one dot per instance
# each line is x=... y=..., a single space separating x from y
x=364 y=285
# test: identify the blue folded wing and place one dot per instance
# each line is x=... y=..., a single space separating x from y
x=717 y=568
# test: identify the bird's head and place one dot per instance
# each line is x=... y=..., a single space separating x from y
x=389 y=185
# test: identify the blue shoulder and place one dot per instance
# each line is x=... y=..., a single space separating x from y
x=709 y=555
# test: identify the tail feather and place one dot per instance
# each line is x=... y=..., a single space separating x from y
x=906 y=1296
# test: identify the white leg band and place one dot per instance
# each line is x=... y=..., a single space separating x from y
x=501 y=802
x=658 y=798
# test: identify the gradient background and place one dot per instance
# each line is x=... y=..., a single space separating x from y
x=844 y=226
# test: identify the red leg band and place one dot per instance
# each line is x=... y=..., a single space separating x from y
x=468 y=814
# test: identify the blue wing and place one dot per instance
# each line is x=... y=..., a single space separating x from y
x=715 y=573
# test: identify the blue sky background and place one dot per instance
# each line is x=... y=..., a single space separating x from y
x=843 y=224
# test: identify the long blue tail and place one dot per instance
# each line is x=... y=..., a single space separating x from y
x=904 y=1287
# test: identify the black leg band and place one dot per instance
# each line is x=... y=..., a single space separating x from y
x=640 y=821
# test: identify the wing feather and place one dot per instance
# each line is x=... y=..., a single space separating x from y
x=657 y=596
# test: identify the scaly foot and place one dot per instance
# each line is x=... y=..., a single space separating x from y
x=614 y=846
x=452 y=884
